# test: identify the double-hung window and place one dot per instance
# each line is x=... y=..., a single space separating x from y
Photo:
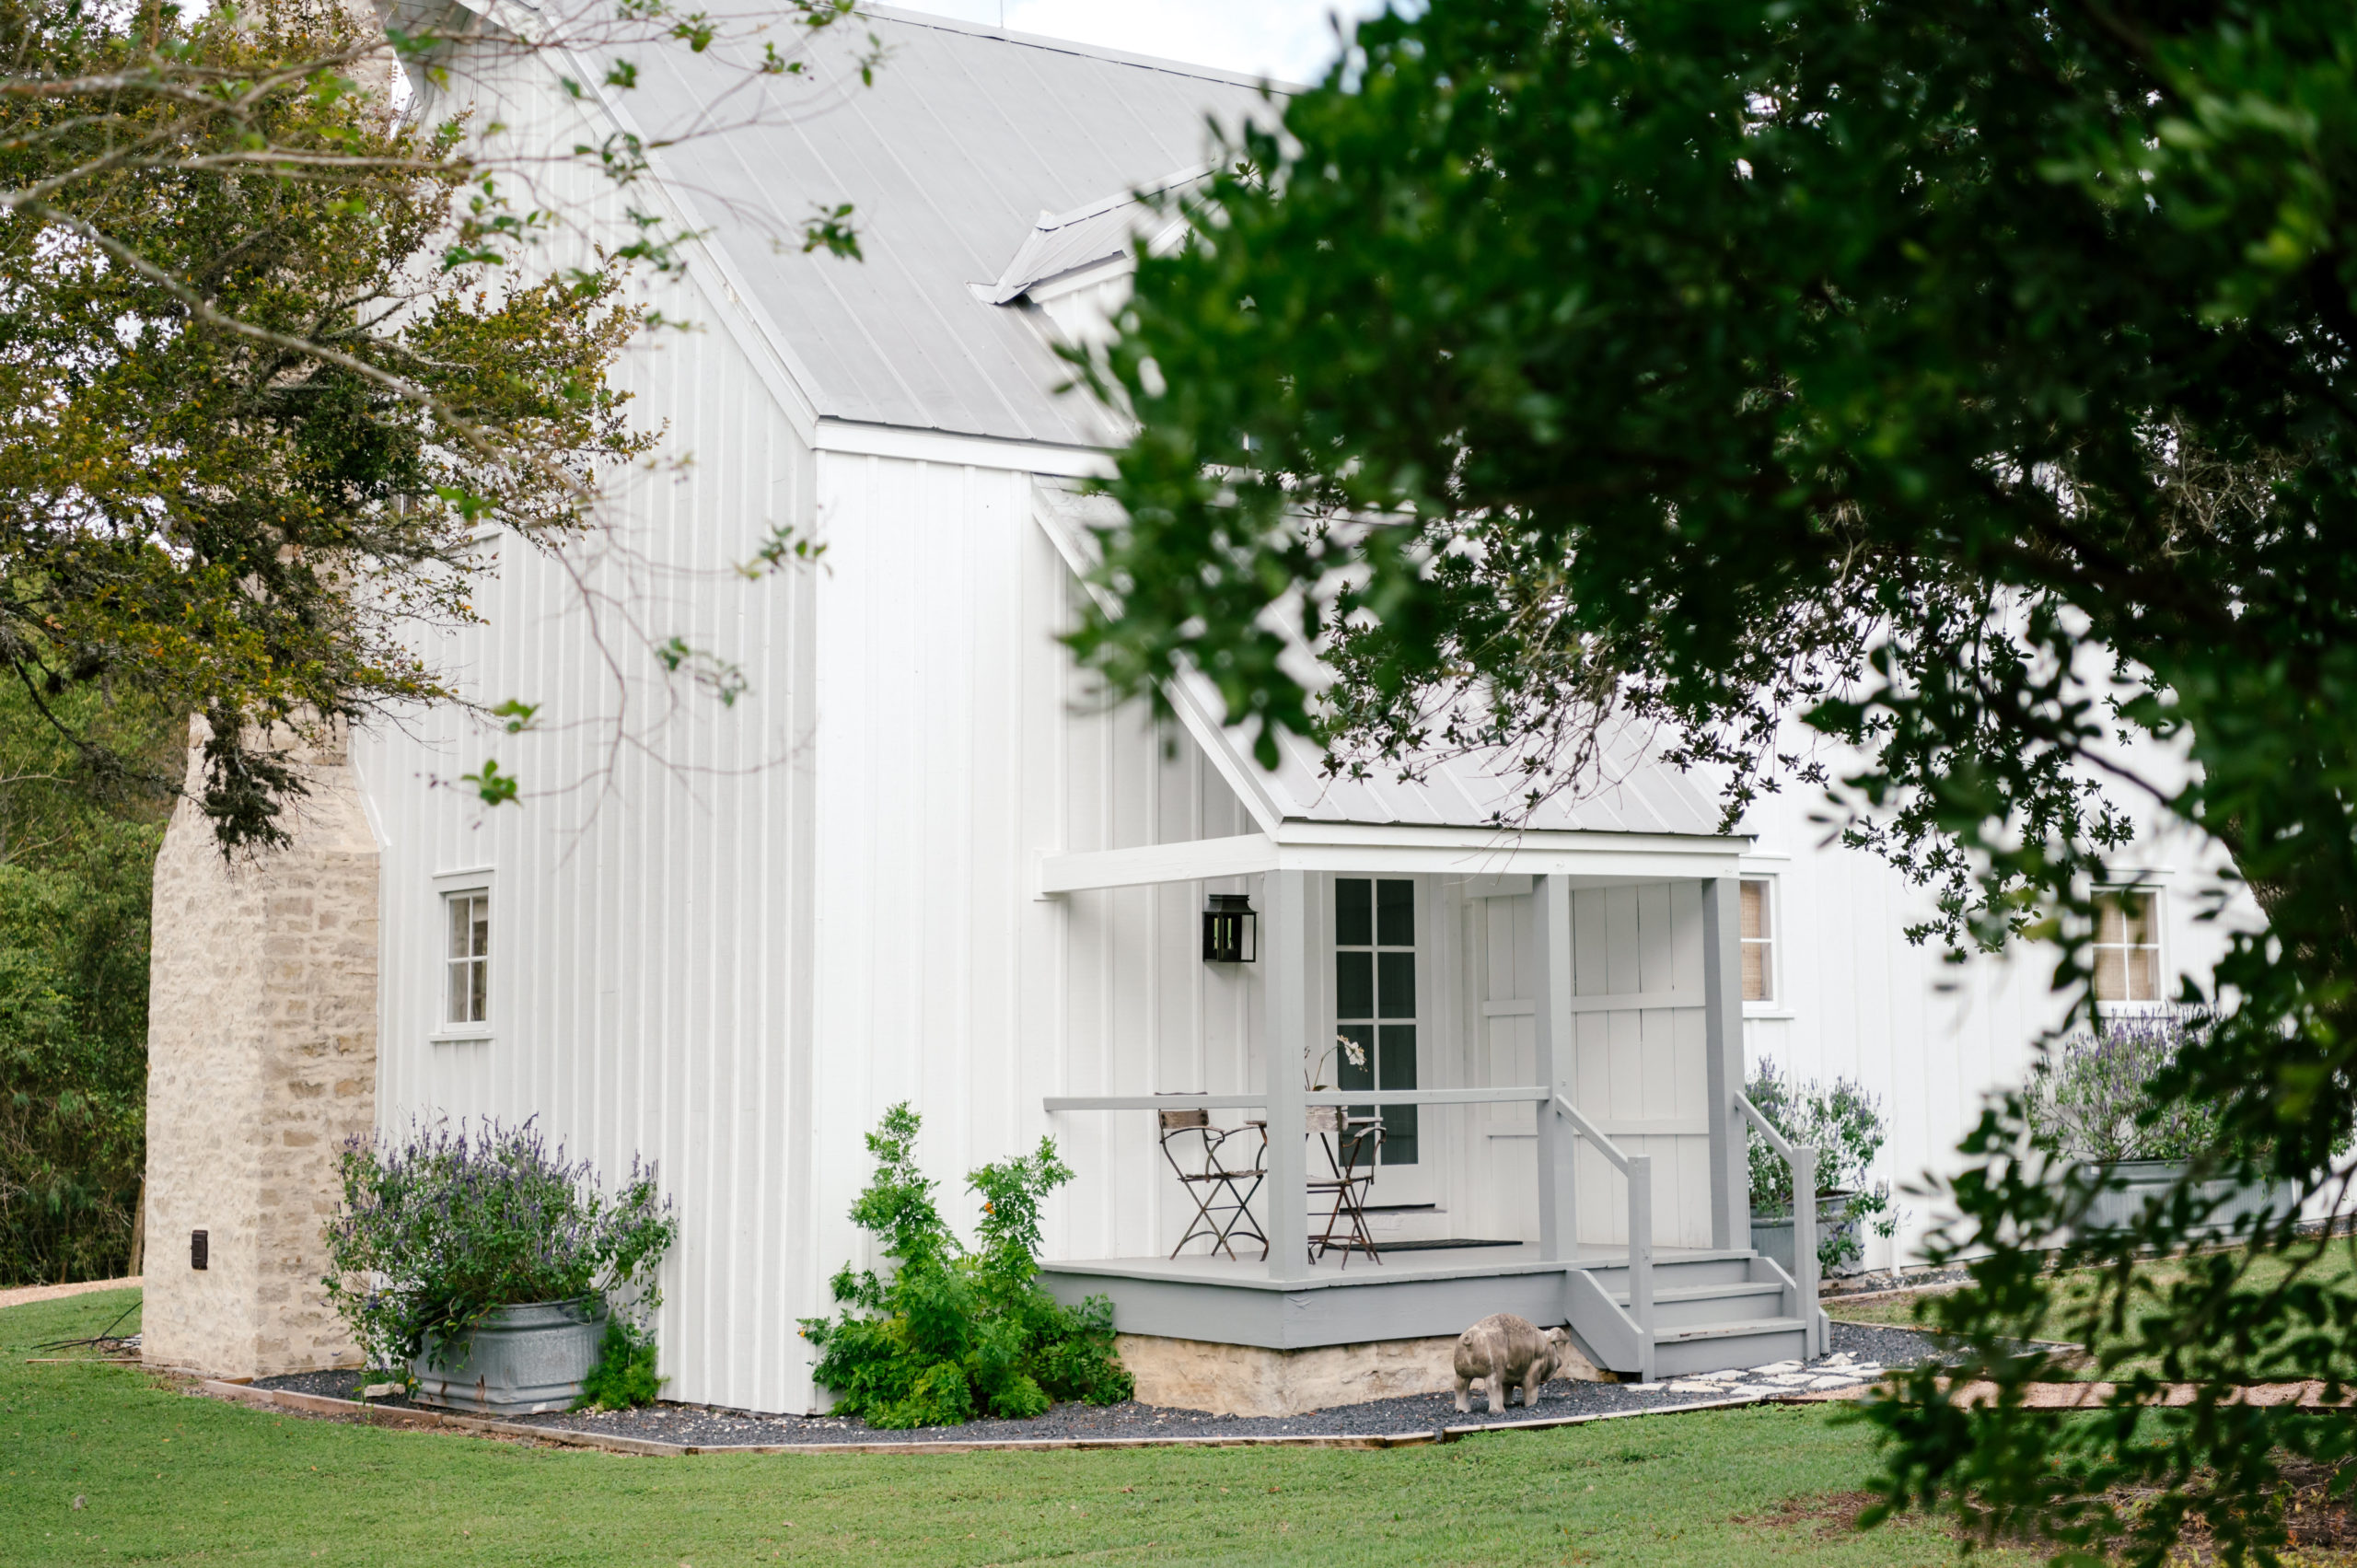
x=1759 y=941
x=466 y=995
x=2128 y=945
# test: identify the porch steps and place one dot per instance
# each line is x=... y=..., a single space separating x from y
x=1712 y=1313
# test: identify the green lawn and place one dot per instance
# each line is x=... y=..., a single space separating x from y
x=2334 y=1258
x=172 y=1479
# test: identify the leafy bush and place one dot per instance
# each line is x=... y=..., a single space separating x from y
x=624 y=1376
x=1843 y=1123
x=954 y=1332
x=2091 y=1096
x=437 y=1230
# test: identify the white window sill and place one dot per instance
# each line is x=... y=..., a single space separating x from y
x=462 y=1034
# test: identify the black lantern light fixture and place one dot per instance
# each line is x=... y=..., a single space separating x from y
x=1231 y=931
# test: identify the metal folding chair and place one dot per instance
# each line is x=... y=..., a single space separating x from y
x=1352 y=1145
x=1222 y=1194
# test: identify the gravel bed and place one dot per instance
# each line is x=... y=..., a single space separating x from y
x=1853 y=1345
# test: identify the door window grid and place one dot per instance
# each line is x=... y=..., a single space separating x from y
x=1759 y=943
x=1375 y=999
x=468 y=994
x=2128 y=948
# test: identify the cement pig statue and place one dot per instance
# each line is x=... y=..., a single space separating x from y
x=1503 y=1351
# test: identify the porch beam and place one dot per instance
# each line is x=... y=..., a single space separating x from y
x=1552 y=1057
x=1516 y=1094
x=1284 y=1052
x=1590 y=859
x=1195 y=861
x=1730 y=1164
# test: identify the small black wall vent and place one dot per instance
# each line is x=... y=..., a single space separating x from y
x=197 y=1248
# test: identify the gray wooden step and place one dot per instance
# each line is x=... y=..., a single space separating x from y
x=1727 y=1347
x=1682 y=1305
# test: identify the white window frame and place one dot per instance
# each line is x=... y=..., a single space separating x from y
x=447 y=886
x=2149 y=887
x=1779 y=1003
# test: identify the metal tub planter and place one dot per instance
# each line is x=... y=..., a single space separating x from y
x=519 y=1360
x=1771 y=1233
x=2128 y=1185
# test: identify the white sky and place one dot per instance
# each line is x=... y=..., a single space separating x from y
x=1290 y=40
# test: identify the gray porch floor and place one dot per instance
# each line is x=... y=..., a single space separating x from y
x=1411 y=1295
x=1249 y=1272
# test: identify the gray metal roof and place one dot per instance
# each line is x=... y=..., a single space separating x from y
x=1100 y=231
x=1632 y=793
x=967 y=136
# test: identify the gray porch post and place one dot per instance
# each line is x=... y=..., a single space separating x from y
x=1722 y=1061
x=1551 y=1062
x=1284 y=988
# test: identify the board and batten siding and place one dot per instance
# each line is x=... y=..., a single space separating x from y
x=1629 y=1064
x=1929 y=1039
x=650 y=908
x=957 y=742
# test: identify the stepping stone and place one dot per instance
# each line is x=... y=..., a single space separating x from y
x=1696 y=1388
x=1791 y=1379
x=1775 y=1366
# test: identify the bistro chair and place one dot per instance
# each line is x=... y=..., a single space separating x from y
x=1222 y=1191
x=1352 y=1145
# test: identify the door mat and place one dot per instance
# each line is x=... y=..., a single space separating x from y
x=1441 y=1246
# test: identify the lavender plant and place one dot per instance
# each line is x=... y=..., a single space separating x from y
x=2092 y=1097
x=1843 y=1123
x=439 y=1227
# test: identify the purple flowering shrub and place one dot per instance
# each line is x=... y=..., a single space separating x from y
x=437 y=1228
x=1843 y=1123
x=2091 y=1096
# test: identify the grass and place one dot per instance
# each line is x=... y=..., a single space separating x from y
x=2334 y=1259
x=167 y=1478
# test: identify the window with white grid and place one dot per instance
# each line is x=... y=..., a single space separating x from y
x=1759 y=941
x=2128 y=945
x=467 y=989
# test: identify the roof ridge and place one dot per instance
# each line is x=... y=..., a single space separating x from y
x=1071 y=46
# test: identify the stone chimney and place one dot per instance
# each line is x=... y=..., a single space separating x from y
x=261 y=1059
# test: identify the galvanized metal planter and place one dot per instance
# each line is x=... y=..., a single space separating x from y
x=518 y=1361
x=2144 y=1180
x=1772 y=1231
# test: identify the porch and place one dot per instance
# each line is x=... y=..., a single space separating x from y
x=1649 y=1264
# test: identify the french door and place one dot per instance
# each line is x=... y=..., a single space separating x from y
x=1380 y=1026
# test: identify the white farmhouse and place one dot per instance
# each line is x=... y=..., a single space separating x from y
x=912 y=859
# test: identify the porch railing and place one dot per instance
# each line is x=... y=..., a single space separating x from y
x=1639 y=1169
x=1801 y=1160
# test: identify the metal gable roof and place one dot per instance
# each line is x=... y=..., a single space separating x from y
x=966 y=137
x=1632 y=792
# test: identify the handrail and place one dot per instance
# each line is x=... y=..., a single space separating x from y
x=1593 y=1134
x=1802 y=1159
x=1639 y=1169
x=1514 y=1095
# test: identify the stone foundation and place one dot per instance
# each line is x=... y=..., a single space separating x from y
x=262 y=1051
x=1221 y=1379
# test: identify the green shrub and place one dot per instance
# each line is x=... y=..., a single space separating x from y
x=1843 y=1123
x=957 y=1331
x=624 y=1376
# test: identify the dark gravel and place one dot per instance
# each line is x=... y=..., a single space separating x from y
x=707 y=1427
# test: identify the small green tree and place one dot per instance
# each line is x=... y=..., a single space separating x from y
x=952 y=1332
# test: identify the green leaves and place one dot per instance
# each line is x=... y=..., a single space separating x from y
x=952 y=1333
x=1960 y=391
x=266 y=390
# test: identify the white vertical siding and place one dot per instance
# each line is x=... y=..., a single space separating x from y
x=1928 y=1037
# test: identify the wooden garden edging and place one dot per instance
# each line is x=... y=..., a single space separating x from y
x=382 y=1415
